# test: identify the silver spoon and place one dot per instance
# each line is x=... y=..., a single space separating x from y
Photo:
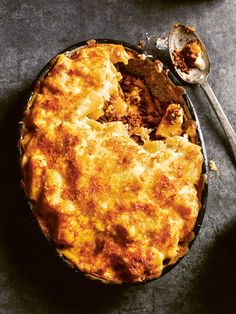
x=181 y=35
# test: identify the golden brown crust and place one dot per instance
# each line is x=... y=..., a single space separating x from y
x=115 y=209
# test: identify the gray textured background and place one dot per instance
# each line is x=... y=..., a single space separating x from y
x=31 y=279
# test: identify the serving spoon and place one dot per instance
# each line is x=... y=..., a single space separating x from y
x=179 y=36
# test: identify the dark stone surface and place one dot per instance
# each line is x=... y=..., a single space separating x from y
x=31 y=279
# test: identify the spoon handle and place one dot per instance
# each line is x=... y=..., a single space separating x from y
x=221 y=116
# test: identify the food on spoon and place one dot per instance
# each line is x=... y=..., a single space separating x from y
x=189 y=57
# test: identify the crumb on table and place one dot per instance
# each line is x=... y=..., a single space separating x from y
x=213 y=166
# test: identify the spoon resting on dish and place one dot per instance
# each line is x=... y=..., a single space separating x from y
x=192 y=63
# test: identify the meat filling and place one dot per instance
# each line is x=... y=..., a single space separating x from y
x=146 y=99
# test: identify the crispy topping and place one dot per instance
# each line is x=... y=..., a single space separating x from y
x=114 y=199
x=158 y=83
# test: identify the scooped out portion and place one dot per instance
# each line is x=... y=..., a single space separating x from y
x=111 y=163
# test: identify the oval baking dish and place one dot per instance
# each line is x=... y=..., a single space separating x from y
x=116 y=240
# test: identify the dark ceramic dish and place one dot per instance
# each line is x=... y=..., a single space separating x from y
x=189 y=107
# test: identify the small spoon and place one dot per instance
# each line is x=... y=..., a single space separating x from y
x=181 y=35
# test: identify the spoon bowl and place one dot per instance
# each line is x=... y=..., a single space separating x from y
x=179 y=36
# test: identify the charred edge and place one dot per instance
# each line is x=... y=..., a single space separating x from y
x=121 y=268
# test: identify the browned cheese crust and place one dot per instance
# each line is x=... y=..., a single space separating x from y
x=109 y=164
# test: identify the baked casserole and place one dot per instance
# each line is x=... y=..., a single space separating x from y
x=111 y=163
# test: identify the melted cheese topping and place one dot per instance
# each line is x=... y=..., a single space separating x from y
x=117 y=210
